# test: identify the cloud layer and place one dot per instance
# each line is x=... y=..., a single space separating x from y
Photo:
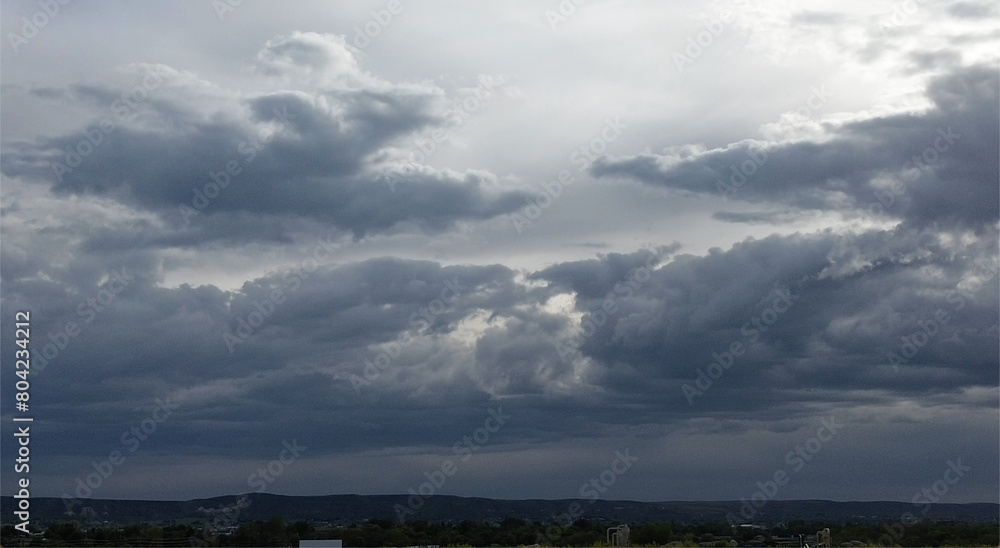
x=283 y=236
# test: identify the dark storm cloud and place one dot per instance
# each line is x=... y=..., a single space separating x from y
x=853 y=300
x=939 y=167
x=595 y=278
x=150 y=342
x=856 y=296
x=284 y=155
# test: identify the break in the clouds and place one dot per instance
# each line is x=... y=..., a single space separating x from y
x=275 y=230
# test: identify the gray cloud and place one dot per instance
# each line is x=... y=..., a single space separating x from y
x=853 y=299
x=317 y=155
x=942 y=163
x=817 y=18
x=374 y=308
x=972 y=10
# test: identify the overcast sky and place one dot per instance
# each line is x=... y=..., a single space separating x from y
x=698 y=232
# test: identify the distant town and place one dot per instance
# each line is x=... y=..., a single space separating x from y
x=345 y=521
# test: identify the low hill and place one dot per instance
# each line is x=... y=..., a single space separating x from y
x=343 y=509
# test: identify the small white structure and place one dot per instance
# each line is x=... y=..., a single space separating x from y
x=823 y=538
x=321 y=543
x=620 y=535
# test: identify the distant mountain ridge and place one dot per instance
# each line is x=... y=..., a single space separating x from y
x=345 y=509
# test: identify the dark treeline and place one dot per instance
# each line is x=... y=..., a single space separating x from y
x=509 y=532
